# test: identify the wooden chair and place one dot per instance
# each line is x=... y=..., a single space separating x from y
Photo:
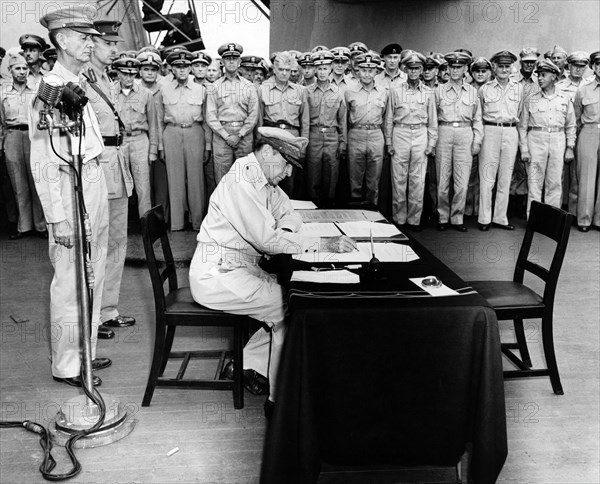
x=512 y=300
x=177 y=308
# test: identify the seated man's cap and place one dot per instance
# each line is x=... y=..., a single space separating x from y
x=180 y=58
x=557 y=49
x=322 y=58
x=305 y=59
x=165 y=53
x=595 y=57
x=251 y=61
x=149 y=48
x=202 y=58
x=357 y=48
x=50 y=53
x=127 y=65
x=461 y=58
x=341 y=53
x=109 y=30
x=291 y=147
x=579 y=58
x=504 y=57
x=480 y=63
x=391 y=49
x=32 y=40
x=149 y=58
x=413 y=58
x=546 y=65
x=368 y=60
x=79 y=18
x=317 y=48
x=230 y=50
x=529 y=54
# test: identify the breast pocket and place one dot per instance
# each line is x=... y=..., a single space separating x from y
x=492 y=107
x=138 y=114
x=590 y=106
x=419 y=109
x=195 y=104
x=292 y=107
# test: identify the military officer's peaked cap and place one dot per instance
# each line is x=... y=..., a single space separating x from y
x=462 y=58
x=230 y=50
x=50 y=54
x=317 y=48
x=79 y=18
x=413 y=58
x=322 y=57
x=109 y=30
x=503 y=57
x=33 y=40
x=341 y=53
x=579 y=57
x=480 y=63
x=432 y=61
x=391 y=49
x=291 y=147
x=126 y=64
x=595 y=57
x=202 y=58
x=149 y=48
x=357 y=48
x=557 y=49
x=149 y=58
x=546 y=65
x=180 y=58
x=251 y=61
x=127 y=54
x=529 y=54
x=305 y=59
x=173 y=48
x=369 y=59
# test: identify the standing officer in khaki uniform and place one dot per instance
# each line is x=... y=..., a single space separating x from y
x=587 y=112
x=137 y=110
x=558 y=56
x=460 y=133
x=116 y=172
x=15 y=98
x=284 y=105
x=410 y=136
x=341 y=60
x=33 y=46
x=501 y=105
x=199 y=66
x=356 y=49
x=392 y=72
x=366 y=102
x=547 y=137
x=327 y=139
x=187 y=141
x=308 y=69
x=231 y=112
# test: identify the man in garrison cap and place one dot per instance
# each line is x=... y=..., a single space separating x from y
x=199 y=66
x=586 y=101
x=138 y=111
x=33 y=46
x=249 y=217
x=366 y=101
x=501 y=102
x=116 y=171
x=460 y=132
x=231 y=112
x=341 y=61
x=558 y=56
x=410 y=136
x=547 y=136
x=328 y=131
x=391 y=59
x=15 y=96
x=186 y=141
x=70 y=31
x=284 y=105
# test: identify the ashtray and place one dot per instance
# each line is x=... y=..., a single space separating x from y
x=431 y=281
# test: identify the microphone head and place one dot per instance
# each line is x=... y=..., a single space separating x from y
x=50 y=89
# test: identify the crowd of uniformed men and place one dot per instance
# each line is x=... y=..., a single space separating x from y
x=457 y=135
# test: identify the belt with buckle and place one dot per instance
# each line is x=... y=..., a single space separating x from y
x=233 y=124
x=410 y=126
x=112 y=140
x=365 y=126
x=280 y=125
x=597 y=125
x=324 y=129
x=18 y=127
x=133 y=132
x=501 y=125
x=183 y=125
x=546 y=130
x=454 y=124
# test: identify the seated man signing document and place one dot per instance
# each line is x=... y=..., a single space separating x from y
x=249 y=217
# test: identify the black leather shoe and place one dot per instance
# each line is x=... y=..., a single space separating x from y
x=442 y=227
x=584 y=228
x=414 y=227
x=76 y=381
x=227 y=372
x=505 y=227
x=105 y=333
x=16 y=236
x=460 y=227
x=269 y=408
x=484 y=227
x=120 y=322
x=255 y=383
x=101 y=363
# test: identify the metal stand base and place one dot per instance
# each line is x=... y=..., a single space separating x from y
x=79 y=413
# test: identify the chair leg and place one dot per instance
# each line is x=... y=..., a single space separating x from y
x=522 y=342
x=548 y=341
x=167 y=348
x=239 y=333
x=157 y=357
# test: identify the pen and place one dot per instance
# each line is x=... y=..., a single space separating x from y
x=372 y=249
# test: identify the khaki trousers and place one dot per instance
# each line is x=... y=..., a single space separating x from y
x=588 y=157
x=224 y=155
x=135 y=150
x=365 y=160
x=322 y=164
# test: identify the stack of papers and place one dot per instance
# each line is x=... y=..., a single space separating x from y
x=339 y=215
x=341 y=276
x=303 y=205
x=320 y=229
x=385 y=252
x=364 y=229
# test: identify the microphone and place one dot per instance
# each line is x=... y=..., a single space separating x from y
x=50 y=90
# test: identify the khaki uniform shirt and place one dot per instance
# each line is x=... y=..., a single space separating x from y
x=288 y=104
x=569 y=87
x=14 y=105
x=501 y=105
x=344 y=83
x=366 y=106
x=587 y=103
x=385 y=78
x=138 y=112
x=327 y=108
x=460 y=104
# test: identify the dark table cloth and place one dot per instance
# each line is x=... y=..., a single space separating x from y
x=383 y=373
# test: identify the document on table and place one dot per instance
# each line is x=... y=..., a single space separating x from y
x=327 y=277
x=364 y=229
x=339 y=215
x=303 y=205
x=319 y=229
x=385 y=252
x=442 y=290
